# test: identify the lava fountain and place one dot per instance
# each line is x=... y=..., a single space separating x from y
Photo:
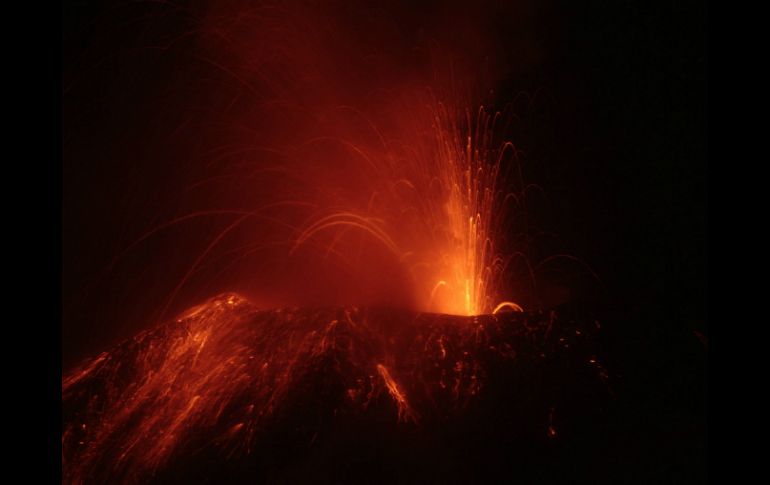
x=450 y=190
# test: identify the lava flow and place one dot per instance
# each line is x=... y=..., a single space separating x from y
x=226 y=381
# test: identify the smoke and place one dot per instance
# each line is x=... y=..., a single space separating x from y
x=301 y=153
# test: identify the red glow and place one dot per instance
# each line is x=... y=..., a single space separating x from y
x=338 y=173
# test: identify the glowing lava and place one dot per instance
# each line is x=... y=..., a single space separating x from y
x=450 y=187
x=223 y=375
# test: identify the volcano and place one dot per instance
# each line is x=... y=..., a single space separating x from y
x=512 y=194
x=231 y=393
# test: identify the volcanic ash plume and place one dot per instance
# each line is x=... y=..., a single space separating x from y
x=341 y=160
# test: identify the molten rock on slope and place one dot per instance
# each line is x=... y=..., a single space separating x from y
x=232 y=393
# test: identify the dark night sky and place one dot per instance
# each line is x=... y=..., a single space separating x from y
x=619 y=145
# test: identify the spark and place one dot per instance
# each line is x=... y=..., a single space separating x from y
x=507 y=304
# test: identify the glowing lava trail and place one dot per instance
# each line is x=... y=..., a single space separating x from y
x=224 y=378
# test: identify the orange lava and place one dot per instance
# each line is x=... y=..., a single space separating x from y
x=404 y=410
